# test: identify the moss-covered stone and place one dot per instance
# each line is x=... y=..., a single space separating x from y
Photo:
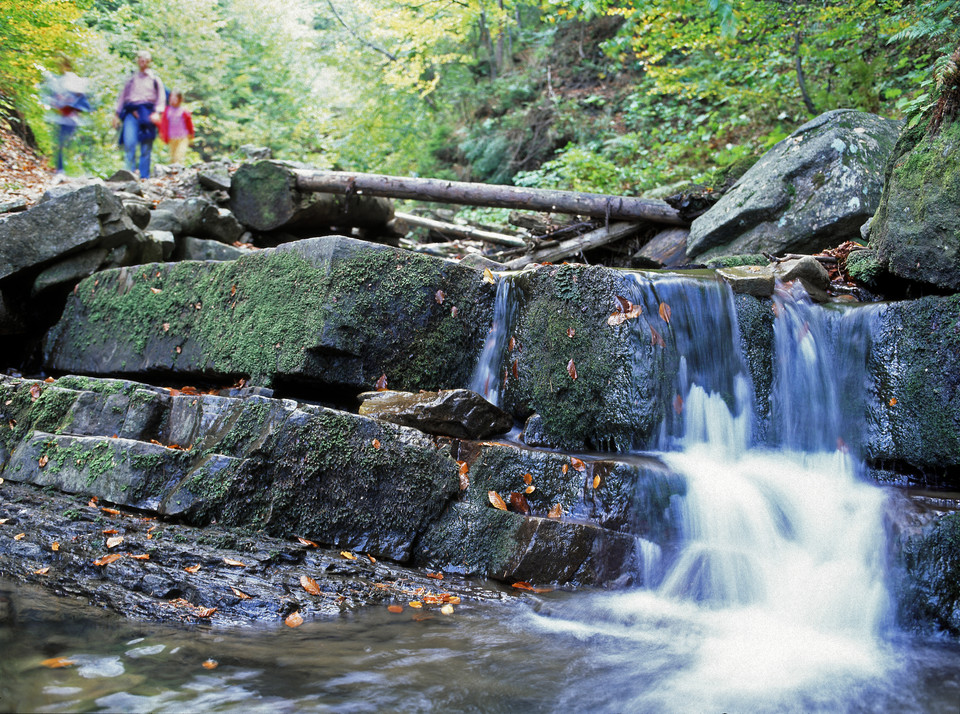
x=330 y=311
x=929 y=597
x=916 y=230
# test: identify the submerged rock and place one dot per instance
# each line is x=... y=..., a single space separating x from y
x=460 y=413
x=813 y=190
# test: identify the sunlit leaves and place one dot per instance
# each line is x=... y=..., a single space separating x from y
x=57 y=663
x=210 y=664
x=556 y=511
x=107 y=559
x=348 y=555
x=310 y=585
x=578 y=464
x=496 y=500
x=234 y=562
x=665 y=312
x=625 y=310
x=294 y=619
x=572 y=369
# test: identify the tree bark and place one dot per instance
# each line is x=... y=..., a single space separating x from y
x=461 y=231
x=567 y=248
x=801 y=79
x=620 y=208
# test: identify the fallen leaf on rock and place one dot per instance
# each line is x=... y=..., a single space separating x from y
x=511 y=345
x=396 y=609
x=516 y=370
x=530 y=489
x=210 y=664
x=381 y=384
x=49 y=380
x=107 y=559
x=893 y=401
x=528 y=478
x=488 y=276
x=655 y=338
x=308 y=543
x=20 y=536
x=564 y=469
x=35 y=391
x=42 y=571
x=111 y=511
x=44 y=460
x=4 y=520
x=371 y=558
x=415 y=604
x=447 y=609
x=439 y=296
x=571 y=332
x=310 y=585
x=166 y=327
x=114 y=541
x=57 y=662
x=435 y=576
x=572 y=369
x=193 y=568
x=235 y=563
x=205 y=612
x=376 y=443
x=453 y=599
x=577 y=464
x=531 y=588
x=665 y=312
x=348 y=555
x=596 y=481
x=140 y=556
x=518 y=503
x=156 y=291
x=55 y=546
x=496 y=500
x=556 y=511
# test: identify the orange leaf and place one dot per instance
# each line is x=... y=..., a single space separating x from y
x=20 y=536
x=111 y=511
x=310 y=585
x=348 y=555
x=166 y=327
x=577 y=464
x=454 y=311
x=528 y=478
x=678 y=404
x=210 y=664
x=531 y=588
x=35 y=391
x=235 y=563
x=511 y=345
x=114 y=541
x=572 y=369
x=516 y=370
x=665 y=312
x=306 y=542
x=141 y=556
x=496 y=500
x=571 y=332
x=376 y=443
x=57 y=662
x=42 y=571
x=44 y=460
x=415 y=604
x=530 y=489
x=439 y=296
x=435 y=576
x=447 y=609
x=371 y=558
x=395 y=608
x=564 y=469
x=294 y=619
x=453 y=599
x=381 y=384
x=233 y=290
x=156 y=291
x=464 y=467
x=205 y=611
x=556 y=511
x=893 y=401
x=596 y=481
x=107 y=559
x=49 y=380
x=193 y=569
x=488 y=276
x=55 y=546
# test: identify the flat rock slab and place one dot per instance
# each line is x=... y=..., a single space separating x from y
x=460 y=413
x=330 y=311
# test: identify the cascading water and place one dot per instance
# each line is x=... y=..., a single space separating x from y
x=486 y=378
x=776 y=597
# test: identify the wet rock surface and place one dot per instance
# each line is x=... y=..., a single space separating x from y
x=460 y=413
x=170 y=572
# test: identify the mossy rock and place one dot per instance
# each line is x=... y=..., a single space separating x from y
x=916 y=230
x=929 y=593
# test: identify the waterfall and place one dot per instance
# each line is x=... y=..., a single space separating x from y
x=778 y=587
x=486 y=378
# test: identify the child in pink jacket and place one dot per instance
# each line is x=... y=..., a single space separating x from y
x=176 y=128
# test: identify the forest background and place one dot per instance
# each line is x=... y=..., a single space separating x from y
x=626 y=97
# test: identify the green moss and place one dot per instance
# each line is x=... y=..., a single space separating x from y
x=733 y=261
x=863 y=267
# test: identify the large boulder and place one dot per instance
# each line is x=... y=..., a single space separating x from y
x=460 y=413
x=264 y=197
x=916 y=231
x=811 y=191
x=83 y=219
x=331 y=311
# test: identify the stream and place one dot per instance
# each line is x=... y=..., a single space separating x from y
x=775 y=600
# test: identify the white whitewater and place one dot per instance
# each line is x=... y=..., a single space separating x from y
x=776 y=599
x=487 y=375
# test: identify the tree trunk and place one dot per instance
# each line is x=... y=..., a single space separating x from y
x=801 y=80
x=621 y=208
x=571 y=247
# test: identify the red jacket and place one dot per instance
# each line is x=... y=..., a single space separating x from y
x=165 y=125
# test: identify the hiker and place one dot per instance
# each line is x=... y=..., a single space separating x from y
x=176 y=128
x=66 y=95
x=139 y=108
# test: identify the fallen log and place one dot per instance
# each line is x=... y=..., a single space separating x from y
x=460 y=231
x=620 y=208
x=566 y=248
